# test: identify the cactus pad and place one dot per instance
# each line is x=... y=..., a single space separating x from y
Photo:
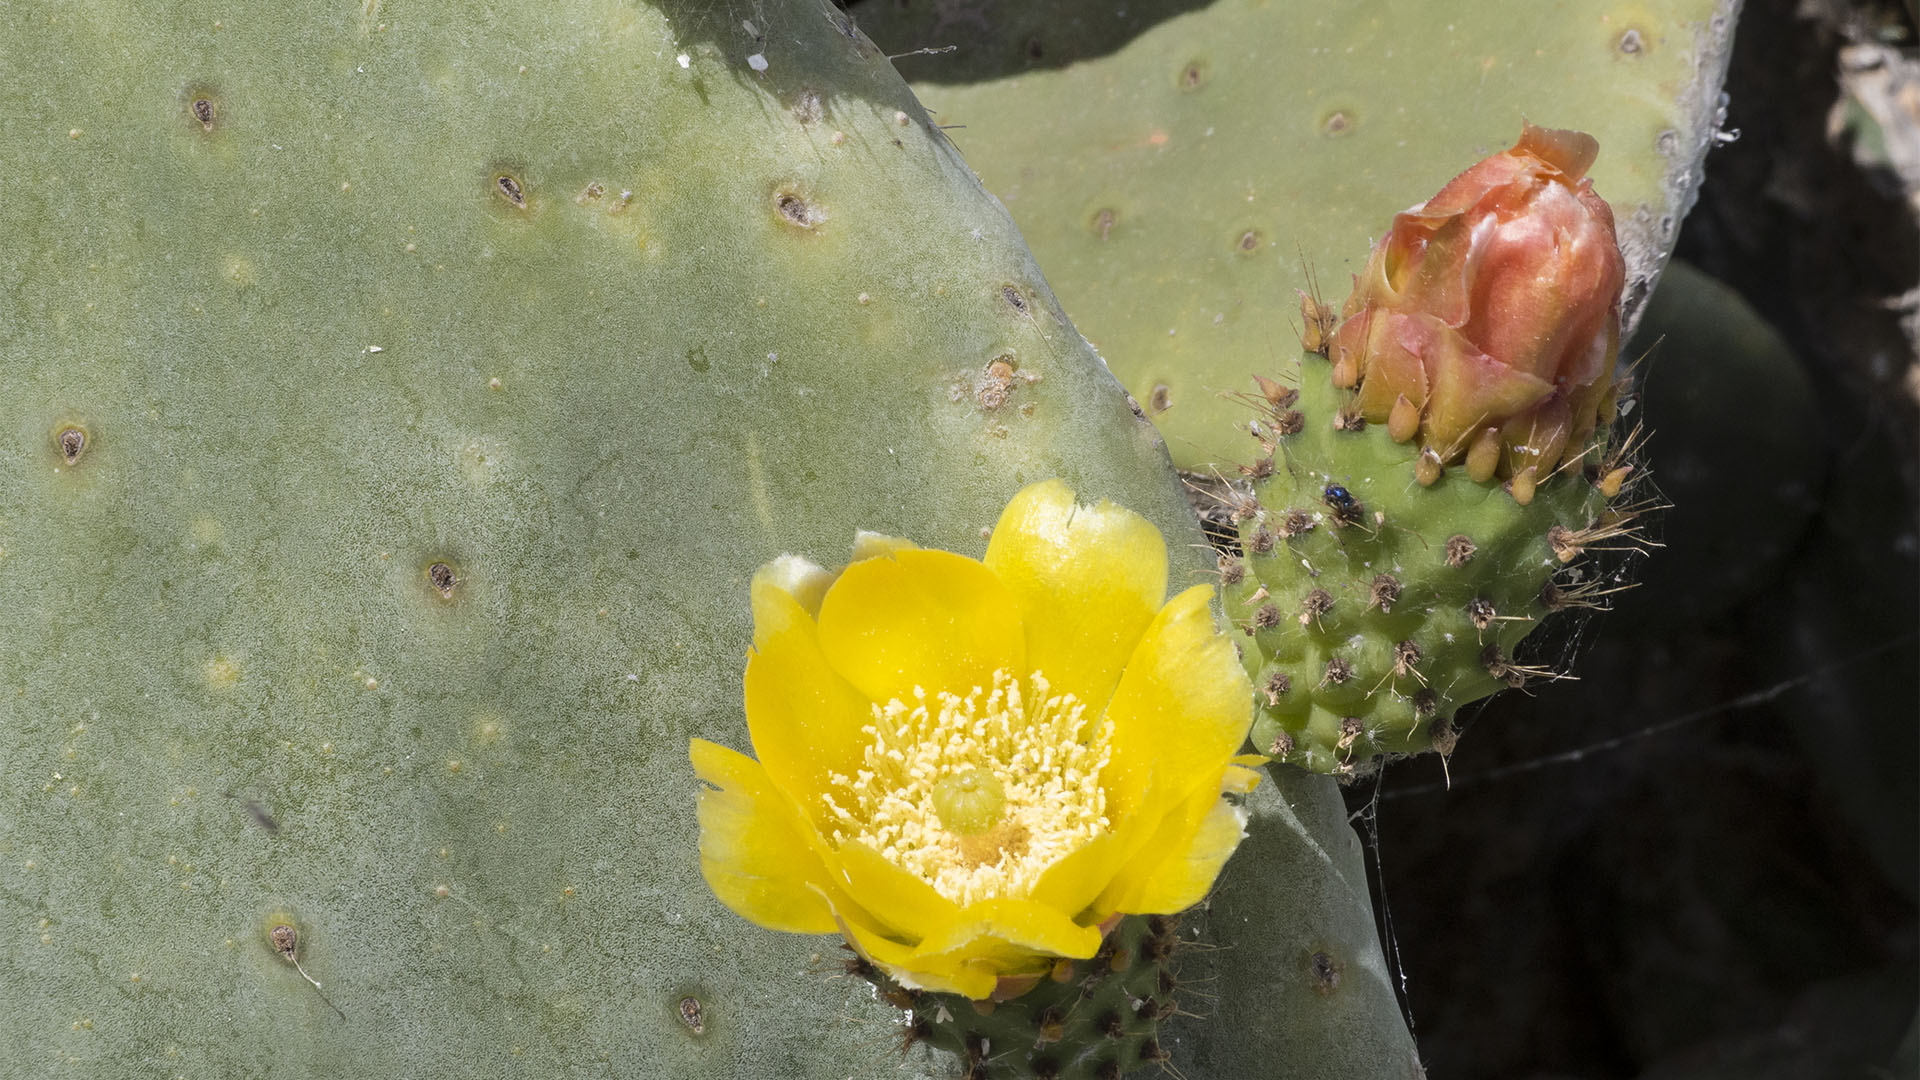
x=394 y=400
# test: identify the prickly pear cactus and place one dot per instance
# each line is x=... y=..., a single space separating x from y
x=393 y=403
x=1184 y=179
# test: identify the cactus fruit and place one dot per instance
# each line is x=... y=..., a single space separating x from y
x=394 y=402
x=1195 y=173
x=1374 y=605
x=1381 y=589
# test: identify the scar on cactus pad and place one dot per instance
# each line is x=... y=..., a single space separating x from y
x=283 y=937
x=1435 y=470
x=993 y=778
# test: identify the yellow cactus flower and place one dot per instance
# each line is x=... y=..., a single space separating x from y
x=970 y=767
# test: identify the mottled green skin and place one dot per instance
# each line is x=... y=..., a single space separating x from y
x=232 y=694
x=1362 y=637
x=1179 y=190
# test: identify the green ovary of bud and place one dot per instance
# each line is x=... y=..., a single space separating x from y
x=969 y=802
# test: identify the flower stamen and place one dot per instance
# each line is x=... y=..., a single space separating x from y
x=978 y=795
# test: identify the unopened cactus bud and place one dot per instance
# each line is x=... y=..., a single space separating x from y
x=1487 y=320
x=1486 y=327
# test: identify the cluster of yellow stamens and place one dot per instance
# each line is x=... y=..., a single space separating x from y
x=977 y=795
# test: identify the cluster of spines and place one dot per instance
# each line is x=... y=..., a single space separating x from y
x=1610 y=523
x=1095 y=1019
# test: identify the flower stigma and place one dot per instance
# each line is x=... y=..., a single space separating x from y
x=977 y=795
x=969 y=802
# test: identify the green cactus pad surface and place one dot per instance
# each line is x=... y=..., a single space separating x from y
x=1374 y=606
x=394 y=403
x=1180 y=188
x=1295 y=990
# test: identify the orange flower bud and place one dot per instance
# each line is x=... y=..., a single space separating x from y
x=1492 y=313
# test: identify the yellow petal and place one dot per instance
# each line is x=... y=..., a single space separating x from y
x=751 y=848
x=1126 y=849
x=1070 y=885
x=907 y=906
x=1181 y=709
x=805 y=720
x=922 y=618
x=873 y=545
x=799 y=578
x=1009 y=928
x=975 y=981
x=989 y=957
x=1077 y=884
x=994 y=938
x=1088 y=579
x=1244 y=774
x=1182 y=861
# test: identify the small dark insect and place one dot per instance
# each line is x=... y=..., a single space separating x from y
x=1346 y=509
x=260 y=815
